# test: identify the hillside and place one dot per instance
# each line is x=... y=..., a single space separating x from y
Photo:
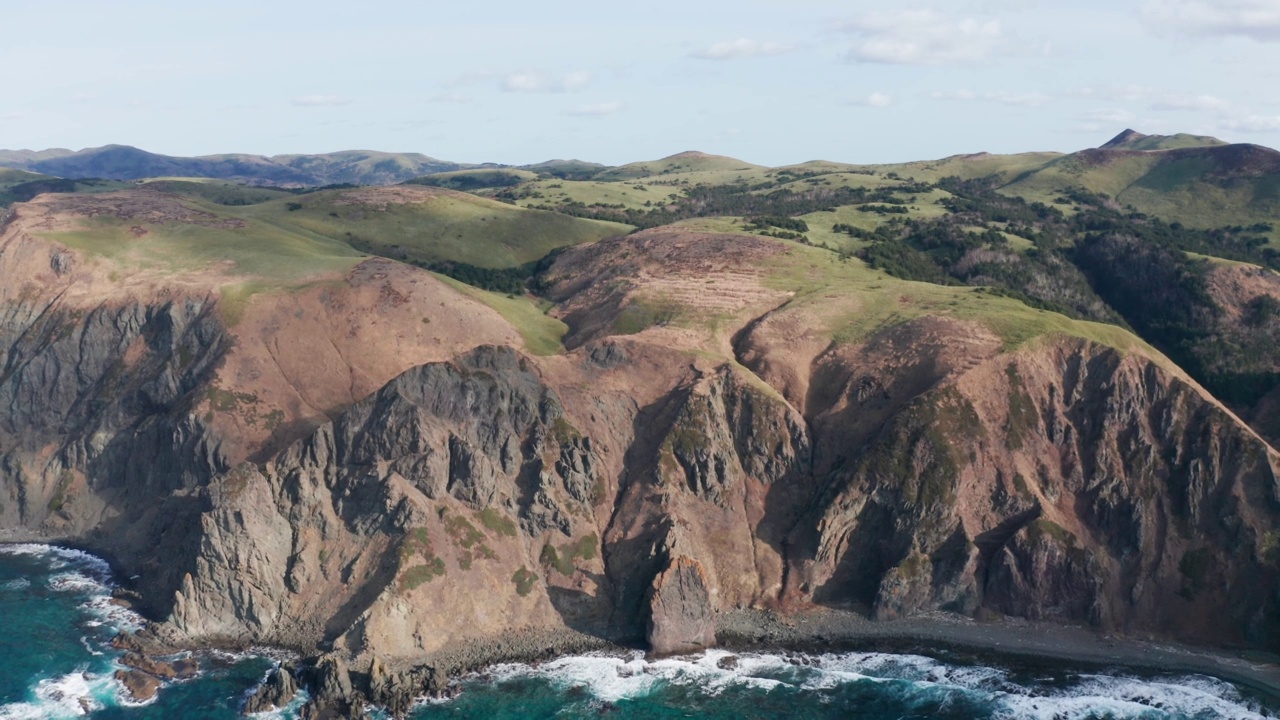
x=1201 y=186
x=407 y=430
x=1134 y=140
x=121 y=162
x=685 y=162
x=425 y=225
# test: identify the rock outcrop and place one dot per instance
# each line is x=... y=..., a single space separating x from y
x=276 y=692
x=459 y=494
x=140 y=686
x=681 y=617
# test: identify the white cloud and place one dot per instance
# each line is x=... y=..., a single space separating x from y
x=876 y=100
x=1202 y=103
x=576 y=80
x=1257 y=19
x=453 y=97
x=321 y=100
x=742 y=48
x=1253 y=124
x=526 y=82
x=1032 y=99
x=926 y=37
x=605 y=108
x=535 y=81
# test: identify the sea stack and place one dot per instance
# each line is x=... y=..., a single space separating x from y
x=681 y=619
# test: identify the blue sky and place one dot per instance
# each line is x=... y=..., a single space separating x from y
x=769 y=81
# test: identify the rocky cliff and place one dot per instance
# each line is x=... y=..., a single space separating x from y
x=426 y=489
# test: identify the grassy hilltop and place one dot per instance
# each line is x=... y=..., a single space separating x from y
x=1027 y=244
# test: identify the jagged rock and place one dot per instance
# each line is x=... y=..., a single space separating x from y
x=158 y=668
x=395 y=691
x=333 y=680
x=333 y=694
x=276 y=692
x=140 y=686
x=894 y=472
x=61 y=263
x=186 y=669
x=681 y=616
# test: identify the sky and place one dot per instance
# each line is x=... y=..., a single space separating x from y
x=768 y=81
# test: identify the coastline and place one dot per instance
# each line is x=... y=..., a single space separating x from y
x=833 y=630
x=815 y=631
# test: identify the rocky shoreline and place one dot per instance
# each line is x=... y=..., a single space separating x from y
x=831 y=630
x=340 y=688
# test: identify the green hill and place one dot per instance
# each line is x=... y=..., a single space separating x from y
x=468 y=180
x=217 y=192
x=685 y=162
x=20 y=186
x=1134 y=140
x=1203 y=187
x=567 y=169
x=122 y=162
x=430 y=225
x=968 y=167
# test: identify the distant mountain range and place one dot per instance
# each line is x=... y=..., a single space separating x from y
x=122 y=162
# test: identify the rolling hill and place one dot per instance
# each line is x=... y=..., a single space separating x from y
x=685 y=162
x=1204 y=186
x=122 y=162
x=1134 y=140
x=703 y=391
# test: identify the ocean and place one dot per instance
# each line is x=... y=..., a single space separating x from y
x=56 y=662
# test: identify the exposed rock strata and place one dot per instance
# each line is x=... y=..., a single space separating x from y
x=681 y=619
x=487 y=494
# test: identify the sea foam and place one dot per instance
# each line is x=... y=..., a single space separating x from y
x=68 y=696
x=917 y=681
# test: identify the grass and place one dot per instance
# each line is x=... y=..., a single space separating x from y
x=679 y=164
x=14 y=186
x=524 y=579
x=641 y=314
x=10 y=177
x=852 y=302
x=417 y=544
x=451 y=226
x=467 y=180
x=542 y=334
x=926 y=207
x=257 y=250
x=1172 y=142
x=563 y=560
x=219 y=193
x=253 y=259
x=967 y=167
x=631 y=194
x=276 y=249
x=497 y=522
x=1175 y=187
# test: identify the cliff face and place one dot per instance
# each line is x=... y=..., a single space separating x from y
x=452 y=494
x=1063 y=482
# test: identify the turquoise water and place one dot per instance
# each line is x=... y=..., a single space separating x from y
x=56 y=662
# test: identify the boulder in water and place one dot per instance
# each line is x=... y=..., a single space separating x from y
x=276 y=692
x=140 y=686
